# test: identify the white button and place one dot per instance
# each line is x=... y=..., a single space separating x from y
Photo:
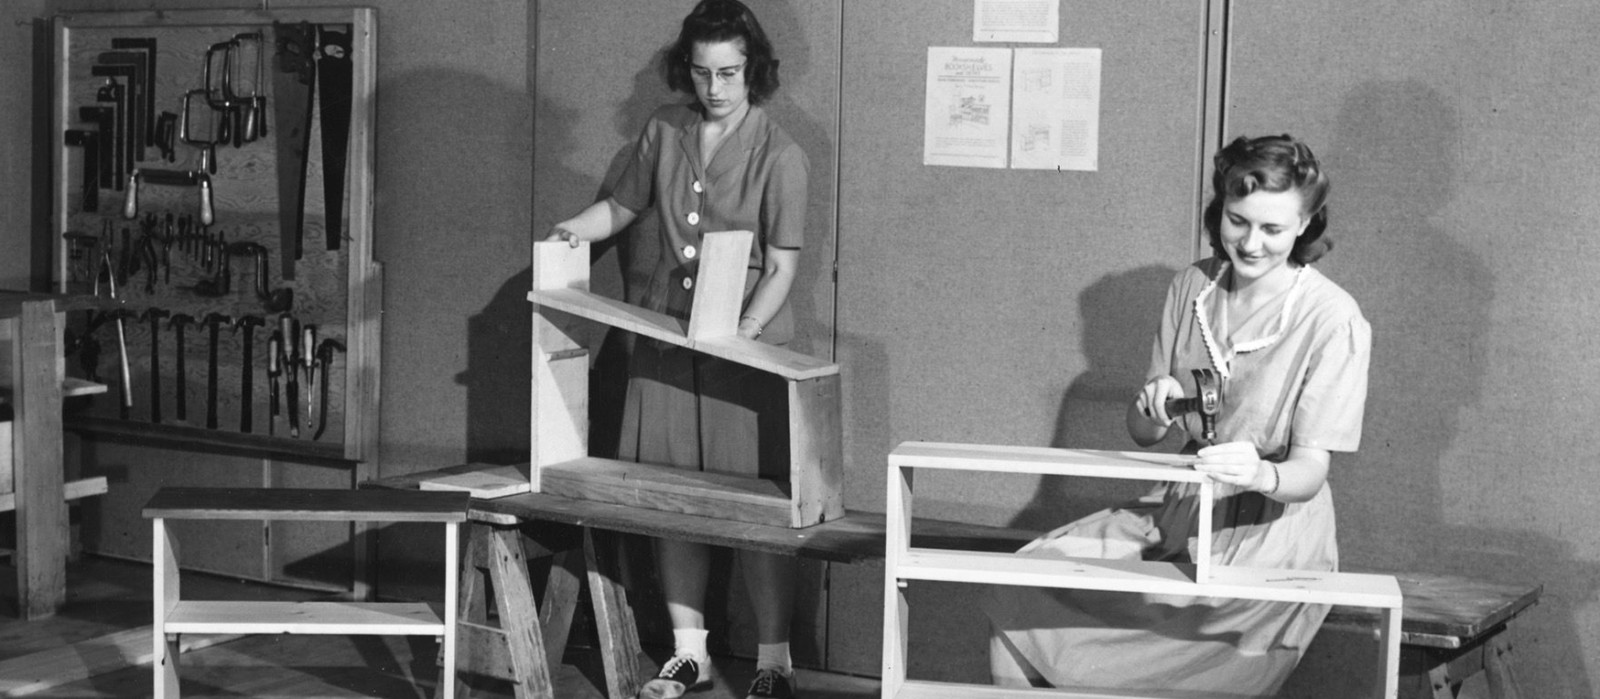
x=697 y=188
x=689 y=251
x=688 y=282
x=693 y=218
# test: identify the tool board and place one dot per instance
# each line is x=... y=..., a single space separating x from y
x=213 y=195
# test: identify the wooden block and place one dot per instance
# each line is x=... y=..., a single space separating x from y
x=487 y=484
x=719 y=284
x=6 y=480
x=816 y=457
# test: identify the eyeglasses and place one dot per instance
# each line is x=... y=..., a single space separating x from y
x=726 y=76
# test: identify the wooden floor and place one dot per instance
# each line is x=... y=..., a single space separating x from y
x=110 y=598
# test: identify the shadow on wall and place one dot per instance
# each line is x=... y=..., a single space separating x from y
x=451 y=218
x=1120 y=315
x=1427 y=296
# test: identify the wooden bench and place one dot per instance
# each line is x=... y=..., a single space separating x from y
x=175 y=615
x=1448 y=622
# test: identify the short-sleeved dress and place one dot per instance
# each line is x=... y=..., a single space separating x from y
x=682 y=408
x=1295 y=374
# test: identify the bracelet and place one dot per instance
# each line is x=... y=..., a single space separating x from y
x=1277 y=479
x=759 y=325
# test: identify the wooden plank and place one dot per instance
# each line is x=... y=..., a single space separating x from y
x=352 y=618
x=615 y=313
x=1448 y=611
x=41 y=521
x=7 y=480
x=1093 y=463
x=613 y=617
x=657 y=487
x=1151 y=577
x=719 y=285
x=924 y=689
x=519 y=618
x=73 y=490
x=854 y=537
x=72 y=387
x=487 y=483
x=560 y=420
x=769 y=358
x=201 y=18
x=307 y=504
x=46 y=669
x=816 y=456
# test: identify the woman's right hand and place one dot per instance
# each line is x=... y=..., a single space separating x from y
x=560 y=232
x=1153 y=397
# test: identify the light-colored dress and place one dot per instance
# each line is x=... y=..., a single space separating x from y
x=1295 y=374
x=682 y=408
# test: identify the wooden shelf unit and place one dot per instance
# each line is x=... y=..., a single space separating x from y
x=175 y=615
x=903 y=562
x=559 y=462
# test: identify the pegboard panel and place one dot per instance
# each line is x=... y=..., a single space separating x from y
x=213 y=195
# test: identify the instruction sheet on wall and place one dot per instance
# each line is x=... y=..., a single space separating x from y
x=968 y=107
x=1033 y=21
x=1056 y=110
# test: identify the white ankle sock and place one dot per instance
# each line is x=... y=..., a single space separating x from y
x=690 y=642
x=774 y=656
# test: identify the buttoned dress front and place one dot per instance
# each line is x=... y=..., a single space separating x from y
x=1295 y=373
x=683 y=408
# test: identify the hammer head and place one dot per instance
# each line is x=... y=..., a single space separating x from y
x=217 y=319
x=248 y=323
x=179 y=320
x=1208 y=388
x=154 y=314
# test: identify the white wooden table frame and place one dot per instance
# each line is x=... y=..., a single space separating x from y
x=904 y=562
x=174 y=616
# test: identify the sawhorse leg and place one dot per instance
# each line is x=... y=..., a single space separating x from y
x=530 y=641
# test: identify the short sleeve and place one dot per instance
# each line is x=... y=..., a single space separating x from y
x=634 y=186
x=1333 y=400
x=783 y=200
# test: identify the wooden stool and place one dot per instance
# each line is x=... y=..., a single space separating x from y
x=174 y=615
x=530 y=639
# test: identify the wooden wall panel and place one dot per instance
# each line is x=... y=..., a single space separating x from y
x=1460 y=139
x=1000 y=306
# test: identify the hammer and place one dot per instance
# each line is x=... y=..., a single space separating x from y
x=1207 y=402
x=213 y=321
x=247 y=324
x=154 y=315
x=181 y=391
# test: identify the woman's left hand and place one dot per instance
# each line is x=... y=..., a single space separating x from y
x=1235 y=463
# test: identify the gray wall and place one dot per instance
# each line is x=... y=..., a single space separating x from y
x=1013 y=307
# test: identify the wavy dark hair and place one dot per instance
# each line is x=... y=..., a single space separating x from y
x=714 y=21
x=1272 y=164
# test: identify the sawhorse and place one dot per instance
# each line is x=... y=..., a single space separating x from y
x=528 y=640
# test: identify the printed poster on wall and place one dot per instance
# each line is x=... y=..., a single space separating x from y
x=968 y=107
x=1023 y=21
x=1056 y=110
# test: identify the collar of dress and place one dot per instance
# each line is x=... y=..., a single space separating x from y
x=1223 y=361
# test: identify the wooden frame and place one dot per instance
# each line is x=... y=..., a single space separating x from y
x=559 y=463
x=32 y=477
x=175 y=615
x=903 y=562
x=354 y=319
